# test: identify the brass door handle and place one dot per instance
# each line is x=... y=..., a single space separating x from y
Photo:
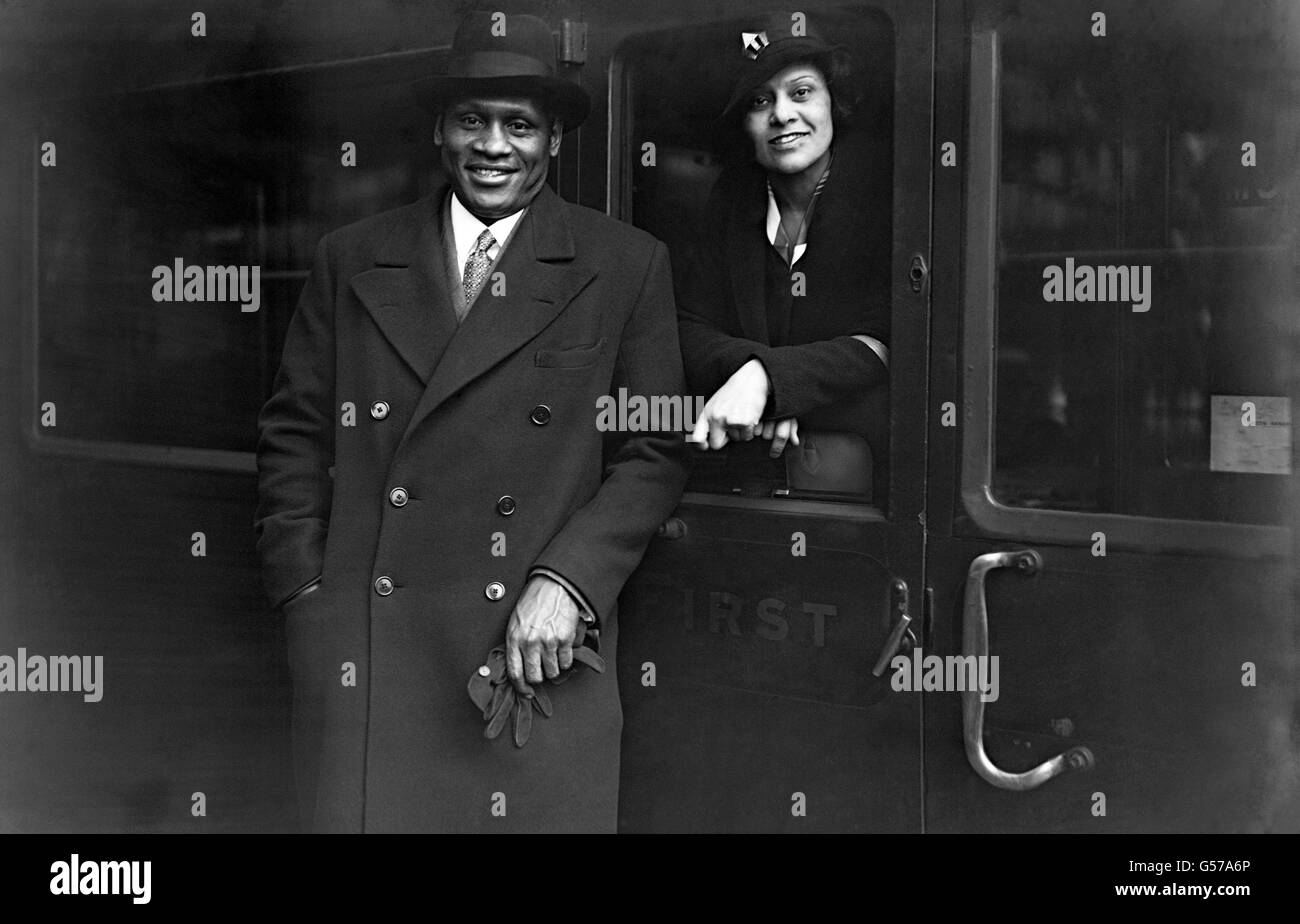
x=975 y=641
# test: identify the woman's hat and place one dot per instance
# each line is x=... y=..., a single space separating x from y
x=783 y=39
x=497 y=55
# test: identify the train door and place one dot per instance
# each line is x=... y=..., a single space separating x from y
x=1108 y=507
x=749 y=635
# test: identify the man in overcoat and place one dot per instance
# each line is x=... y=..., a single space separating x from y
x=432 y=480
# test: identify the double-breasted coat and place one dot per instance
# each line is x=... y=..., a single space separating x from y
x=466 y=438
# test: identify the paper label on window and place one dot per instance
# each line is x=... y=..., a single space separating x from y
x=1250 y=433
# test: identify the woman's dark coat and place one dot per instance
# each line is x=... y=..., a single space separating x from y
x=727 y=315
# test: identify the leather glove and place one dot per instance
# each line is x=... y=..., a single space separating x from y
x=496 y=698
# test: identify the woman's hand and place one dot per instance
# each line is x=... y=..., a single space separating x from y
x=780 y=432
x=735 y=409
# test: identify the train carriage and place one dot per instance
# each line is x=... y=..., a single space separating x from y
x=1089 y=473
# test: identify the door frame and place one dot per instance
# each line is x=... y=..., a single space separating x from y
x=903 y=526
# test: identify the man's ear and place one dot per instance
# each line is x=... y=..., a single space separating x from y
x=557 y=134
x=437 y=130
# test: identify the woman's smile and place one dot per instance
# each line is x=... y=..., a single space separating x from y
x=787 y=139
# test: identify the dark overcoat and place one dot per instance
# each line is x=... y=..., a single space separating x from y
x=459 y=417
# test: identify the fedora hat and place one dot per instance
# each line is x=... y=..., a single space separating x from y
x=781 y=40
x=498 y=56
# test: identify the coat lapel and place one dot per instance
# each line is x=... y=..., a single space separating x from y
x=747 y=261
x=406 y=292
x=541 y=277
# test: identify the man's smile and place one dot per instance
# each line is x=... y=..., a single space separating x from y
x=490 y=175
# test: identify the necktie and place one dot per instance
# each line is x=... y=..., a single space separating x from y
x=476 y=266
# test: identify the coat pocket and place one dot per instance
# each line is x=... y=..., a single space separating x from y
x=301 y=594
x=573 y=358
x=305 y=624
x=304 y=609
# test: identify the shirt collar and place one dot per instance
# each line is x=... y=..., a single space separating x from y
x=466 y=228
x=774 y=224
x=774 y=212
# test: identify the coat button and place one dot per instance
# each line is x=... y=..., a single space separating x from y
x=379 y=410
x=506 y=505
x=495 y=591
x=485 y=671
x=541 y=415
x=398 y=497
x=384 y=586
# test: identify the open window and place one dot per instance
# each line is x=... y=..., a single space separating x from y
x=670 y=88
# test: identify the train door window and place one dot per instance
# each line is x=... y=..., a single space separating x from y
x=154 y=340
x=672 y=87
x=1145 y=261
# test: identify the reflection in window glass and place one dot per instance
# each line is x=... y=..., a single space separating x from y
x=1146 y=259
x=245 y=172
x=675 y=86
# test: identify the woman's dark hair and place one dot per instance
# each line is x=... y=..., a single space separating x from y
x=836 y=67
x=842 y=82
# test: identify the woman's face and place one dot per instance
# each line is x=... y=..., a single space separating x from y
x=789 y=119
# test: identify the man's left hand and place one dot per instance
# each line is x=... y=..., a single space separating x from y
x=541 y=632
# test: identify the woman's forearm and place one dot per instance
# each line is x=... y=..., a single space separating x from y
x=811 y=376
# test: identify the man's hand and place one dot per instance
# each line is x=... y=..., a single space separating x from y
x=780 y=432
x=735 y=409
x=541 y=632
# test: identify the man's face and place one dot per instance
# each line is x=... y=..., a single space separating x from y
x=496 y=152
